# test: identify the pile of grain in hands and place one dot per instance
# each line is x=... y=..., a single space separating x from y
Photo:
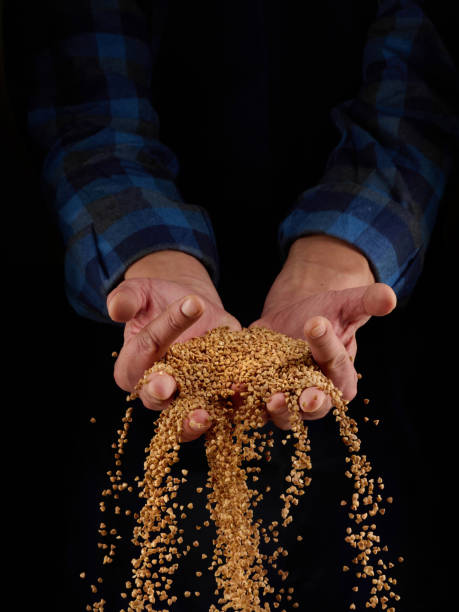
x=205 y=369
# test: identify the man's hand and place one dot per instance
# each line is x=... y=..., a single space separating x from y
x=324 y=293
x=157 y=313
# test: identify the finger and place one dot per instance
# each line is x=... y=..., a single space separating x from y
x=351 y=348
x=331 y=355
x=374 y=300
x=361 y=303
x=152 y=342
x=314 y=403
x=158 y=392
x=264 y=418
x=278 y=412
x=124 y=302
x=195 y=425
x=379 y=300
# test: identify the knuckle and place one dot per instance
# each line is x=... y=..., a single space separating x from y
x=322 y=340
x=173 y=321
x=350 y=391
x=188 y=434
x=281 y=425
x=150 y=402
x=146 y=341
x=120 y=377
x=339 y=361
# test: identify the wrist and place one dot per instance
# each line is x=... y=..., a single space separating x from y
x=316 y=264
x=321 y=263
x=175 y=266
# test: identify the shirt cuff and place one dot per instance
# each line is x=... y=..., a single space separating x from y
x=369 y=220
x=97 y=260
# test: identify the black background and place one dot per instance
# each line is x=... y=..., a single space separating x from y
x=59 y=374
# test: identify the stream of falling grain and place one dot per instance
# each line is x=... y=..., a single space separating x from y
x=205 y=369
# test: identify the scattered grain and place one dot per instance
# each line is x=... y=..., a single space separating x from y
x=205 y=368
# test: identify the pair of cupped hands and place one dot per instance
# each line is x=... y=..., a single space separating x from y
x=323 y=294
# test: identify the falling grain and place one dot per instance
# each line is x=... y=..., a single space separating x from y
x=205 y=368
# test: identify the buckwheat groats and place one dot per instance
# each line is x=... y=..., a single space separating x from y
x=205 y=369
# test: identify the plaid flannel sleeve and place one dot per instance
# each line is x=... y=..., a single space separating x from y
x=385 y=179
x=105 y=172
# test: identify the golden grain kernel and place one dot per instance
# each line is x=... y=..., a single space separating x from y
x=205 y=369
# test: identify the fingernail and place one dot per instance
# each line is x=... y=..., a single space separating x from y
x=190 y=307
x=311 y=406
x=196 y=426
x=275 y=409
x=162 y=390
x=317 y=330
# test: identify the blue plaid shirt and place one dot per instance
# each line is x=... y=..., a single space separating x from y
x=112 y=182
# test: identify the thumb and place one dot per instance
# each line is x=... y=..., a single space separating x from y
x=379 y=299
x=124 y=302
x=374 y=300
x=359 y=304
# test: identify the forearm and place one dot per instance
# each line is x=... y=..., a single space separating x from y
x=385 y=179
x=110 y=180
x=176 y=266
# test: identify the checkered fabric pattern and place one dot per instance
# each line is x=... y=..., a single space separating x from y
x=384 y=181
x=112 y=182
